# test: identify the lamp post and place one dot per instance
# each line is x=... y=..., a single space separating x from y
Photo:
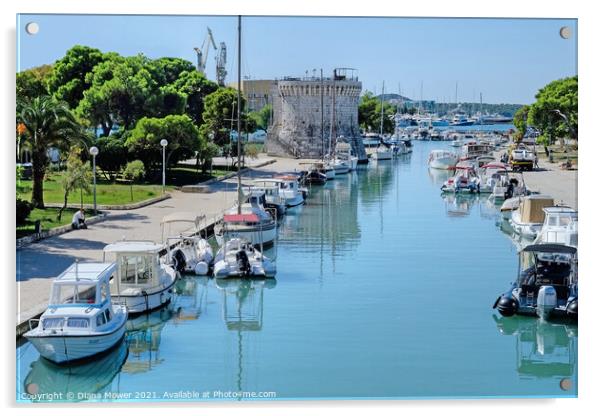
x=211 y=137
x=163 y=145
x=94 y=153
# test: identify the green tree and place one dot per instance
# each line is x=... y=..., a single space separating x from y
x=196 y=87
x=48 y=123
x=369 y=114
x=166 y=71
x=121 y=91
x=134 y=171
x=219 y=116
x=112 y=155
x=78 y=175
x=69 y=78
x=180 y=132
x=520 y=122
x=32 y=83
x=262 y=117
x=555 y=101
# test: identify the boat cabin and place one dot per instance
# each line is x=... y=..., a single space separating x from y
x=531 y=209
x=137 y=265
x=80 y=298
x=560 y=226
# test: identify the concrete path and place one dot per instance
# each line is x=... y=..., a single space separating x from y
x=38 y=263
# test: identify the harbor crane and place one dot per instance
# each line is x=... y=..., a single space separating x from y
x=220 y=57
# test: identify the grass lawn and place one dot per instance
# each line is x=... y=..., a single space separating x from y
x=48 y=220
x=109 y=193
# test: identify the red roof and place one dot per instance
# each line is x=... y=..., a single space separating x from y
x=241 y=218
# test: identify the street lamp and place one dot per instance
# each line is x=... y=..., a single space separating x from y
x=94 y=153
x=163 y=144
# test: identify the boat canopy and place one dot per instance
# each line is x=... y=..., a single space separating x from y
x=531 y=209
x=191 y=217
x=241 y=218
x=142 y=247
x=550 y=248
x=85 y=271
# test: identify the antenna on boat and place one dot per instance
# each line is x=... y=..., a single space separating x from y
x=76 y=269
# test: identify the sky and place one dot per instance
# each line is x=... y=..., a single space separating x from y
x=507 y=60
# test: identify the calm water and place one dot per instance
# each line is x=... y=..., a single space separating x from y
x=384 y=290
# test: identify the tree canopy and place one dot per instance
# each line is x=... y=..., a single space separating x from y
x=554 y=102
x=369 y=116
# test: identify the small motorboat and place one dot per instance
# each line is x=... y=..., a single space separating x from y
x=442 y=159
x=81 y=320
x=512 y=189
x=340 y=167
x=344 y=152
x=528 y=218
x=546 y=285
x=188 y=251
x=269 y=196
x=382 y=152
x=254 y=223
x=325 y=169
x=312 y=175
x=143 y=282
x=560 y=226
x=492 y=176
x=288 y=189
x=465 y=180
x=239 y=258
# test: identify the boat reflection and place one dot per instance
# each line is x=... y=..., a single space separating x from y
x=458 y=205
x=144 y=338
x=439 y=176
x=242 y=311
x=543 y=349
x=77 y=382
x=190 y=298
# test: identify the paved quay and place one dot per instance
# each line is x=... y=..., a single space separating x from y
x=38 y=263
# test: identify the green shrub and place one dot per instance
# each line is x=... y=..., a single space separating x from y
x=23 y=210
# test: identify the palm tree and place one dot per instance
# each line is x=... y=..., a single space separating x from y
x=48 y=123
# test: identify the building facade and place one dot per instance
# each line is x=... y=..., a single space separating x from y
x=302 y=124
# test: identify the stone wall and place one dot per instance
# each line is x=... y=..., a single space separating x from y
x=297 y=125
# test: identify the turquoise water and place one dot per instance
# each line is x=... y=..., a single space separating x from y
x=384 y=290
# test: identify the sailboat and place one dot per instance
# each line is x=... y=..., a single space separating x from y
x=383 y=151
x=238 y=257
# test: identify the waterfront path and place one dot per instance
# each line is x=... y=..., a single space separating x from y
x=38 y=263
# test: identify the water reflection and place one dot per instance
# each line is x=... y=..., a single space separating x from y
x=80 y=380
x=439 y=176
x=190 y=298
x=144 y=339
x=242 y=311
x=543 y=349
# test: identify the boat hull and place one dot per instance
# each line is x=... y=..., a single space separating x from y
x=64 y=348
x=443 y=163
x=255 y=235
x=140 y=303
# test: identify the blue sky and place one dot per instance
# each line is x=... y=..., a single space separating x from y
x=507 y=60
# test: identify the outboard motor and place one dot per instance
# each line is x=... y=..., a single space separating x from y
x=179 y=260
x=571 y=309
x=506 y=305
x=243 y=262
x=546 y=301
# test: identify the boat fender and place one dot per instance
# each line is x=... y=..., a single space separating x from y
x=201 y=268
x=507 y=305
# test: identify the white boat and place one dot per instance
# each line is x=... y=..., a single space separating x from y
x=340 y=167
x=143 y=282
x=81 y=320
x=493 y=176
x=464 y=180
x=474 y=149
x=527 y=220
x=288 y=189
x=254 y=223
x=382 y=152
x=560 y=226
x=456 y=143
x=344 y=152
x=271 y=195
x=325 y=169
x=187 y=250
x=239 y=258
x=514 y=188
x=522 y=158
x=442 y=159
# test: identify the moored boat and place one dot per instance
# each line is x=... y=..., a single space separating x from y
x=238 y=258
x=527 y=219
x=81 y=320
x=442 y=159
x=187 y=250
x=142 y=281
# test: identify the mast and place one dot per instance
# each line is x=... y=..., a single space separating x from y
x=322 y=111
x=382 y=108
x=239 y=188
x=332 y=119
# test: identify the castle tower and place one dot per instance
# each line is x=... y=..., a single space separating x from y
x=297 y=115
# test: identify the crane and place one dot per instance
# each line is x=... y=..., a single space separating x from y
x=220 y=58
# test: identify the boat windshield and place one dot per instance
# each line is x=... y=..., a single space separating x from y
x=136 y=269
x=79 y=293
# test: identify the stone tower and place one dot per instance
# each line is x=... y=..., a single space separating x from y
x=297 y=129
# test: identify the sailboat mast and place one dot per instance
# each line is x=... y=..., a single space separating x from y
x=382 y=108
x=332 y=119
x=238 y=99
x=322 y=111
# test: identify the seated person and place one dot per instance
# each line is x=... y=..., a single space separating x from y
x=78 y=222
